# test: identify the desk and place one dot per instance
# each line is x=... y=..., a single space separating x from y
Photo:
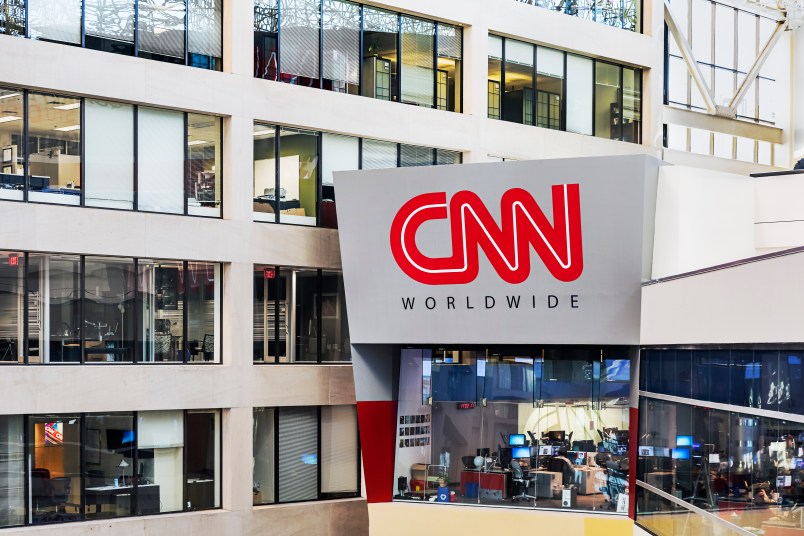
x=589 y=479
x=546 y=482
x=147 y=496
x=98 y=351
x=491 y=485
x=201 y=493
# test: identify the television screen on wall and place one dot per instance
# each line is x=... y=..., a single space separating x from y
x=54 y=433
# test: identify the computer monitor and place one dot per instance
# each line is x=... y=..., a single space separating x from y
x=555 y=450
x=784 y=481
x=505 y=456
x=545 y=450
x=684 y=441
x=681 y=454
x=516 y=440
x=661 y=451
x=485 y=452
x=580 y=458
x=646 y=451
x=519 y=453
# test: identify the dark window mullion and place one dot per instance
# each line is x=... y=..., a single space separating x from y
x=184 y=313
x=319 y=147
x=398 y=58
x=360 y=54
x=26 y=452
x=186 y=32
x=25 y=139
x=81 y=322
x=186 y=163
x=25 y=308
x=563 y=111
x=318 y=309
x=435 y=68
x=136 y=28
x=184 y=456
x=135 y=185
x=83 y=25
x=82 y=164
x=82 y=465
x=502 y=81
x=277 y=284
x=277 y=178
x=318 y=448
x=137 y=317
x=276 y=455
x=320 y=44
x=135 y=507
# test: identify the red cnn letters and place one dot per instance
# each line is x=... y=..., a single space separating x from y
x=507 y=247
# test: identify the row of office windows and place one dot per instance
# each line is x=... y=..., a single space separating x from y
x=305 y=454
x=96 y=153
x=535 y=85
x=625 y=14
x=65 y=467
x=746 y=469
x=186 y=32
x=61 y=308
x=769 y=379
x=351 y=48
x=304 y=306
x=303 y=173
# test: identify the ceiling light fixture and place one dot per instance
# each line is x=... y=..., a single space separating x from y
x=68 y=129
x=68 y=106
x=9 y=119
x=9 y=96
x=197 y=142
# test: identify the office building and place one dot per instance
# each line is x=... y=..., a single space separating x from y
x=176 y=344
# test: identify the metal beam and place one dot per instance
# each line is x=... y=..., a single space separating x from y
x=716 y=123
x=758 y=63
x=689 y=59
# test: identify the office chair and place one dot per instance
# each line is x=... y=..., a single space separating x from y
x=521 y=483
x=208 y=347
x=40 y=488
x=60 y=488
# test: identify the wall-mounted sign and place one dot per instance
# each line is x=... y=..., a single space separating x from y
x=541 y=252
x=467 y=405
x=269 y=273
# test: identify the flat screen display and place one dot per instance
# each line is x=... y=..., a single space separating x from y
x=661 y=451
x=646 y=451
x=520 y=452
x=681 y=454
x=580 y=458
x=618 y=370
x=54 y=433
x=516 y=440
x=545 y=450
x=684 y=441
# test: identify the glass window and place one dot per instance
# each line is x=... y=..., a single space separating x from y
x=12 y=17
x=335 y=345
x=579 y=94
x=12 y=486
x=339 y=153
x=12 y=151
x=109 y=26
x=271 y=311
x=203 y=451
x=160 y=160
x=678 y=81
x=109 y=154
x=12 y=276
x=205 y=34
x=339 y=453
x=265 y=174
x=300 y=24
x=264 y=455
x=444 y=156
x=204 y=159
x=518 y=105
x=110 y=473
x=746 y=40
x=161 y=28
x=298 y=174
x=341 y=61
x=724 y=86
x=306 y=291
x=109 y=310
x=701 y=38
x=266 y=31
x=297 y=469
x=724 y=36
x=448 y=75
x=54 y=480
x=495 y=76
x=767 y=100
x=55 y=20
x=54 y=148
x=203 y=311
x=549 y=87
x=379 y=154
x=160 y=300
x=608 y=118
x=632 y=105
x=418 y=43
x=161 y=458
x=380 y=54
x=414 y=155
x=54 y=302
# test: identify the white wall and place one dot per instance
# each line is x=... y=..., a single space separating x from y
x=703 y=218
x=779 y=212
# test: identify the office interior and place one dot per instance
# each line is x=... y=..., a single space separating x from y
x=527 y=427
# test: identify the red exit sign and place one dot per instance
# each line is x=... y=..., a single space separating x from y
x=467 y=405
x=13 y=260
x=269 y=273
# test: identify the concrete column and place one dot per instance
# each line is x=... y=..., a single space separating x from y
x=237 y=460
x=238 y=167
x=238 y=322
x=238 y=39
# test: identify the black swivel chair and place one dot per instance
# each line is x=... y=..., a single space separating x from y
x=521 y=483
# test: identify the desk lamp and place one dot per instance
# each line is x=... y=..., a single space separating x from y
x=122 y=465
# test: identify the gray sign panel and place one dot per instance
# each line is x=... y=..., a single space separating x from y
x=451 y=266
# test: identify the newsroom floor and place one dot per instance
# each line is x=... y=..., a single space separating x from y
x=596 y=502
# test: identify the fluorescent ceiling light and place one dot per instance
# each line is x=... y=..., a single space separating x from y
x=68 y=106
x=197 y=142
x=68 y=129
x=9 y=119
x=9 y=96
x=263 y=132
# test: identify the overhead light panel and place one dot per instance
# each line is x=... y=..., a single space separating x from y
x=9 y=119
x=68 y=129
x=197 y=142
x=9 y=96
x=263 y=132
x=72 y=106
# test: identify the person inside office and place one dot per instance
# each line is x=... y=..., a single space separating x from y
x=547 y=429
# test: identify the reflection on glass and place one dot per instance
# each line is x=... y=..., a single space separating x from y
x=607 y=101
x=205 y=34
x=632 y=105
x=161 y=27
x=266 y=31
x=518 y=98
x=495 y=76
x=339 y=153
x=264 y=454
x=12 y=151
x=160 y=451
x=203 y=459
x=55 y=20
x=109 y=26
x=271 y=285
x=109 y=295
x=549 y=87
x=300 y=23
x=203 y=311
x=54 y=148
x=109 y=154
x=306 y=305
x=160 y=160
x=12 y=487
x=265 y=174
x=339 y=452
x=334 y=320
x=110 y=472
x=297 y=430
x=418 y=41
x=160 y=331
x=379 y=154
x=341 y=47
x=448 y=74
x=54 y=481
x=12 y=275
x=204 y=158
x=298 y=170
x=54 y=302
x=12 y=17
x=380 y=54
